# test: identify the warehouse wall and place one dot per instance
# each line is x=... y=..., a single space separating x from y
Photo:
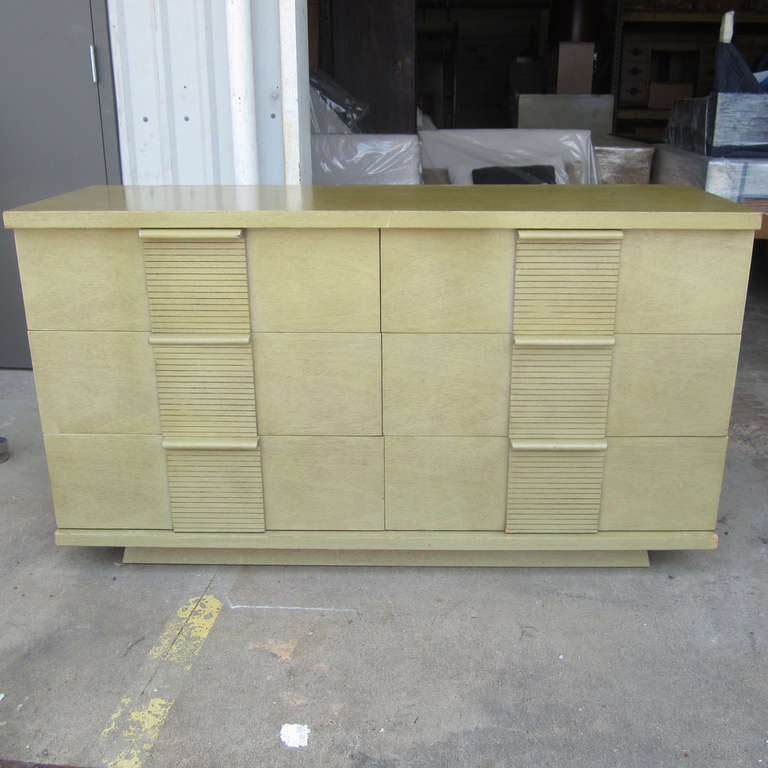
x=173 y=91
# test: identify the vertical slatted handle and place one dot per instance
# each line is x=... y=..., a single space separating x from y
x=197 y=283
x=566 y=287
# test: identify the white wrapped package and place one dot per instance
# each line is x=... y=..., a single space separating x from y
x=570 y=152
x=365 y=158
x=737 y=179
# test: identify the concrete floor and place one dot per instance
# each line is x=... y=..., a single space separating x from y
x=389 y=668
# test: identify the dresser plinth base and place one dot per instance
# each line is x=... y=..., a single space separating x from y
x=527 y=559
x=439 y=548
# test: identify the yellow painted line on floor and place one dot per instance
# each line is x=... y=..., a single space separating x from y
x=137 y=729
x=183 y=637
x=135 y=726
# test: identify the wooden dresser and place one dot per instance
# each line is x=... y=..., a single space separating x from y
x=392 y=375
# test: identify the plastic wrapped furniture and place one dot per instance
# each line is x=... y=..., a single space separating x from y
x=462 y=151
x=365 y=158
x=623 y=161
x=323 y=118
x=734 y=178
x=327 y=96
x=721 y=125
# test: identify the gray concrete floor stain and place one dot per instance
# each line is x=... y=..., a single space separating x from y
x=393 y=668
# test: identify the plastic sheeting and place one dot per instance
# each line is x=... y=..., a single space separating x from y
x=570 y=153
x=349 y=110
x=623 y=161
x=424 y=122
x=323 y=118
x=365 y=158
x=734 y=178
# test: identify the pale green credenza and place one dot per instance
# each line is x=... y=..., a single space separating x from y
x=394 y=375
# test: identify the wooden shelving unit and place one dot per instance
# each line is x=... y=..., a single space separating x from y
x=673 y=32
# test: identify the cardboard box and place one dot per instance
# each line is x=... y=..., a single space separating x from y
x=574 y=67
x=664 y=95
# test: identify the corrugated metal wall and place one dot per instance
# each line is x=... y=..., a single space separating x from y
x=172 y=87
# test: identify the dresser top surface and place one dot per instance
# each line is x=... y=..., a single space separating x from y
x=427 y=206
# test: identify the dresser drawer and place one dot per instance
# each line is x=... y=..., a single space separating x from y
x=683 y=282
x=446 y=384
x=83 y=280
x=662 y=483
x=672 y=385
x=90 y=382
x=108 y=481
x=318 y=280
x=318 y=383
x=324 y=483
x=446 y=483
x=447 y=281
